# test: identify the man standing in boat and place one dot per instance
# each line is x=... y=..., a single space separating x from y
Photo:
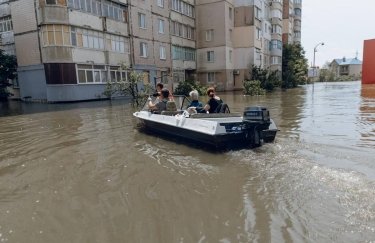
x=214 y=102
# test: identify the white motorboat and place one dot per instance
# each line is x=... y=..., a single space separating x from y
x=218 y=130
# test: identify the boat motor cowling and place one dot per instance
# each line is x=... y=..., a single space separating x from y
x=257 y=114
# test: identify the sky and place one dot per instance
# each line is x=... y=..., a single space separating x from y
x=342 y=25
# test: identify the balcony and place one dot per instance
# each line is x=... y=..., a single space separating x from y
x=4 y=10
x=54 y=14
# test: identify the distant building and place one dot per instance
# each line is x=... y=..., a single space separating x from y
x=346 y=67
x=368 y=70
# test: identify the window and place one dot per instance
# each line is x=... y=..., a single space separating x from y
x=161 y=26
x=6 y=24
x=118 y=43
x=164 y=77
x=183 y=53
x=297 y=11
x=210 y=56
x=210 y=77
x=276 y=60
x=91 y=73
x=143 y=49
x=258 y=13
x=183 y=8
x=276 y=44
x=178 y=75
x=276 y=13
x=297 y=23
x=51 y=2
x=161 y=3
x=230 y=56
x=117 y=74
x=100 y=8
x=162 y=53
x=259 y=33
x=258 y=55
x=209 y=35
x=142 y=20
x=230 y=13
x=276 y=29
x=63 y=35
x=181 y=30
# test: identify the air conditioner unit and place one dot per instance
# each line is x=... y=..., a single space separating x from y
x=236 y=72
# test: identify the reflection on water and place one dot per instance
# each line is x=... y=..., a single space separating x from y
x=81 y=172
x=367 y=115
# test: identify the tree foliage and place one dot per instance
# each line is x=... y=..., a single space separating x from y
x=294 y=66
x=184 y=88
x=268 y=79
x=253 y=87
x=8 y=71
x=130 y=87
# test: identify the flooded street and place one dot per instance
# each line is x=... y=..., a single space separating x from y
x=81 y=172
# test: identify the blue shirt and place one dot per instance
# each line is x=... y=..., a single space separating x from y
x=195 y=103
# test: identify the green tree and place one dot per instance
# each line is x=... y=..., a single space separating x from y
x=268 y=79
x=253 y=87
x=8 y=71
x=129 y=87
x=294 y=66
x=184 y=88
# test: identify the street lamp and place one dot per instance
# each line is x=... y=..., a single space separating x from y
x=315 y=50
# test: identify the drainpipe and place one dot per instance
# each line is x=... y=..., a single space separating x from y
x=131 y=39
x=37 y=30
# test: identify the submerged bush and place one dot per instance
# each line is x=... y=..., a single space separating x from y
x=253 y=87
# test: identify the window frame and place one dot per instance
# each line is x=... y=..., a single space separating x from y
x=162 y=53
x=142 y=21
x=143 y=49
x=210 y=56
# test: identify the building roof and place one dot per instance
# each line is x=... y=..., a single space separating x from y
x=348 y=61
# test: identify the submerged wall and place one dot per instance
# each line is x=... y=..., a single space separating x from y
x=368 y=66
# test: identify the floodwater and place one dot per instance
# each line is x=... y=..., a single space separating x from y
x=82 y=173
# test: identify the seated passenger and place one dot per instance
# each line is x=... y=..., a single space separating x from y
x=162 y=104
x=195 y=105
x=214 y=102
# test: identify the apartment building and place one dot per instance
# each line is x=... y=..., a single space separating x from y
x=183 y=39
x=150 y=38
x=67 y=50
x=215 y=47
x=244 y=33
x=7 y=38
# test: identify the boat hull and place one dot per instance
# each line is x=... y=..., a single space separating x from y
x=218 y=133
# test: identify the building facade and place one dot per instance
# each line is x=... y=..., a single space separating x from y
x=67 y=50
x=346 y=67
x=244 y=33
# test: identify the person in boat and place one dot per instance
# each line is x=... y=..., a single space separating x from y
x=162 y=104
x=214 y=101
x=195 y=105
x=157 y=94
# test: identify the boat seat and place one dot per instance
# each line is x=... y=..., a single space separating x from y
x=171 y=113
x=214 y=115
x=171 y=106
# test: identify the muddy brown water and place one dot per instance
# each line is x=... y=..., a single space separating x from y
x=82 y=173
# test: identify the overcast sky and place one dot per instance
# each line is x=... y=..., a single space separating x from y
x=342 y=25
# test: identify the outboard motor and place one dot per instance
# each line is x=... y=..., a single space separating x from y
x=256 y=119
x=256 y=114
